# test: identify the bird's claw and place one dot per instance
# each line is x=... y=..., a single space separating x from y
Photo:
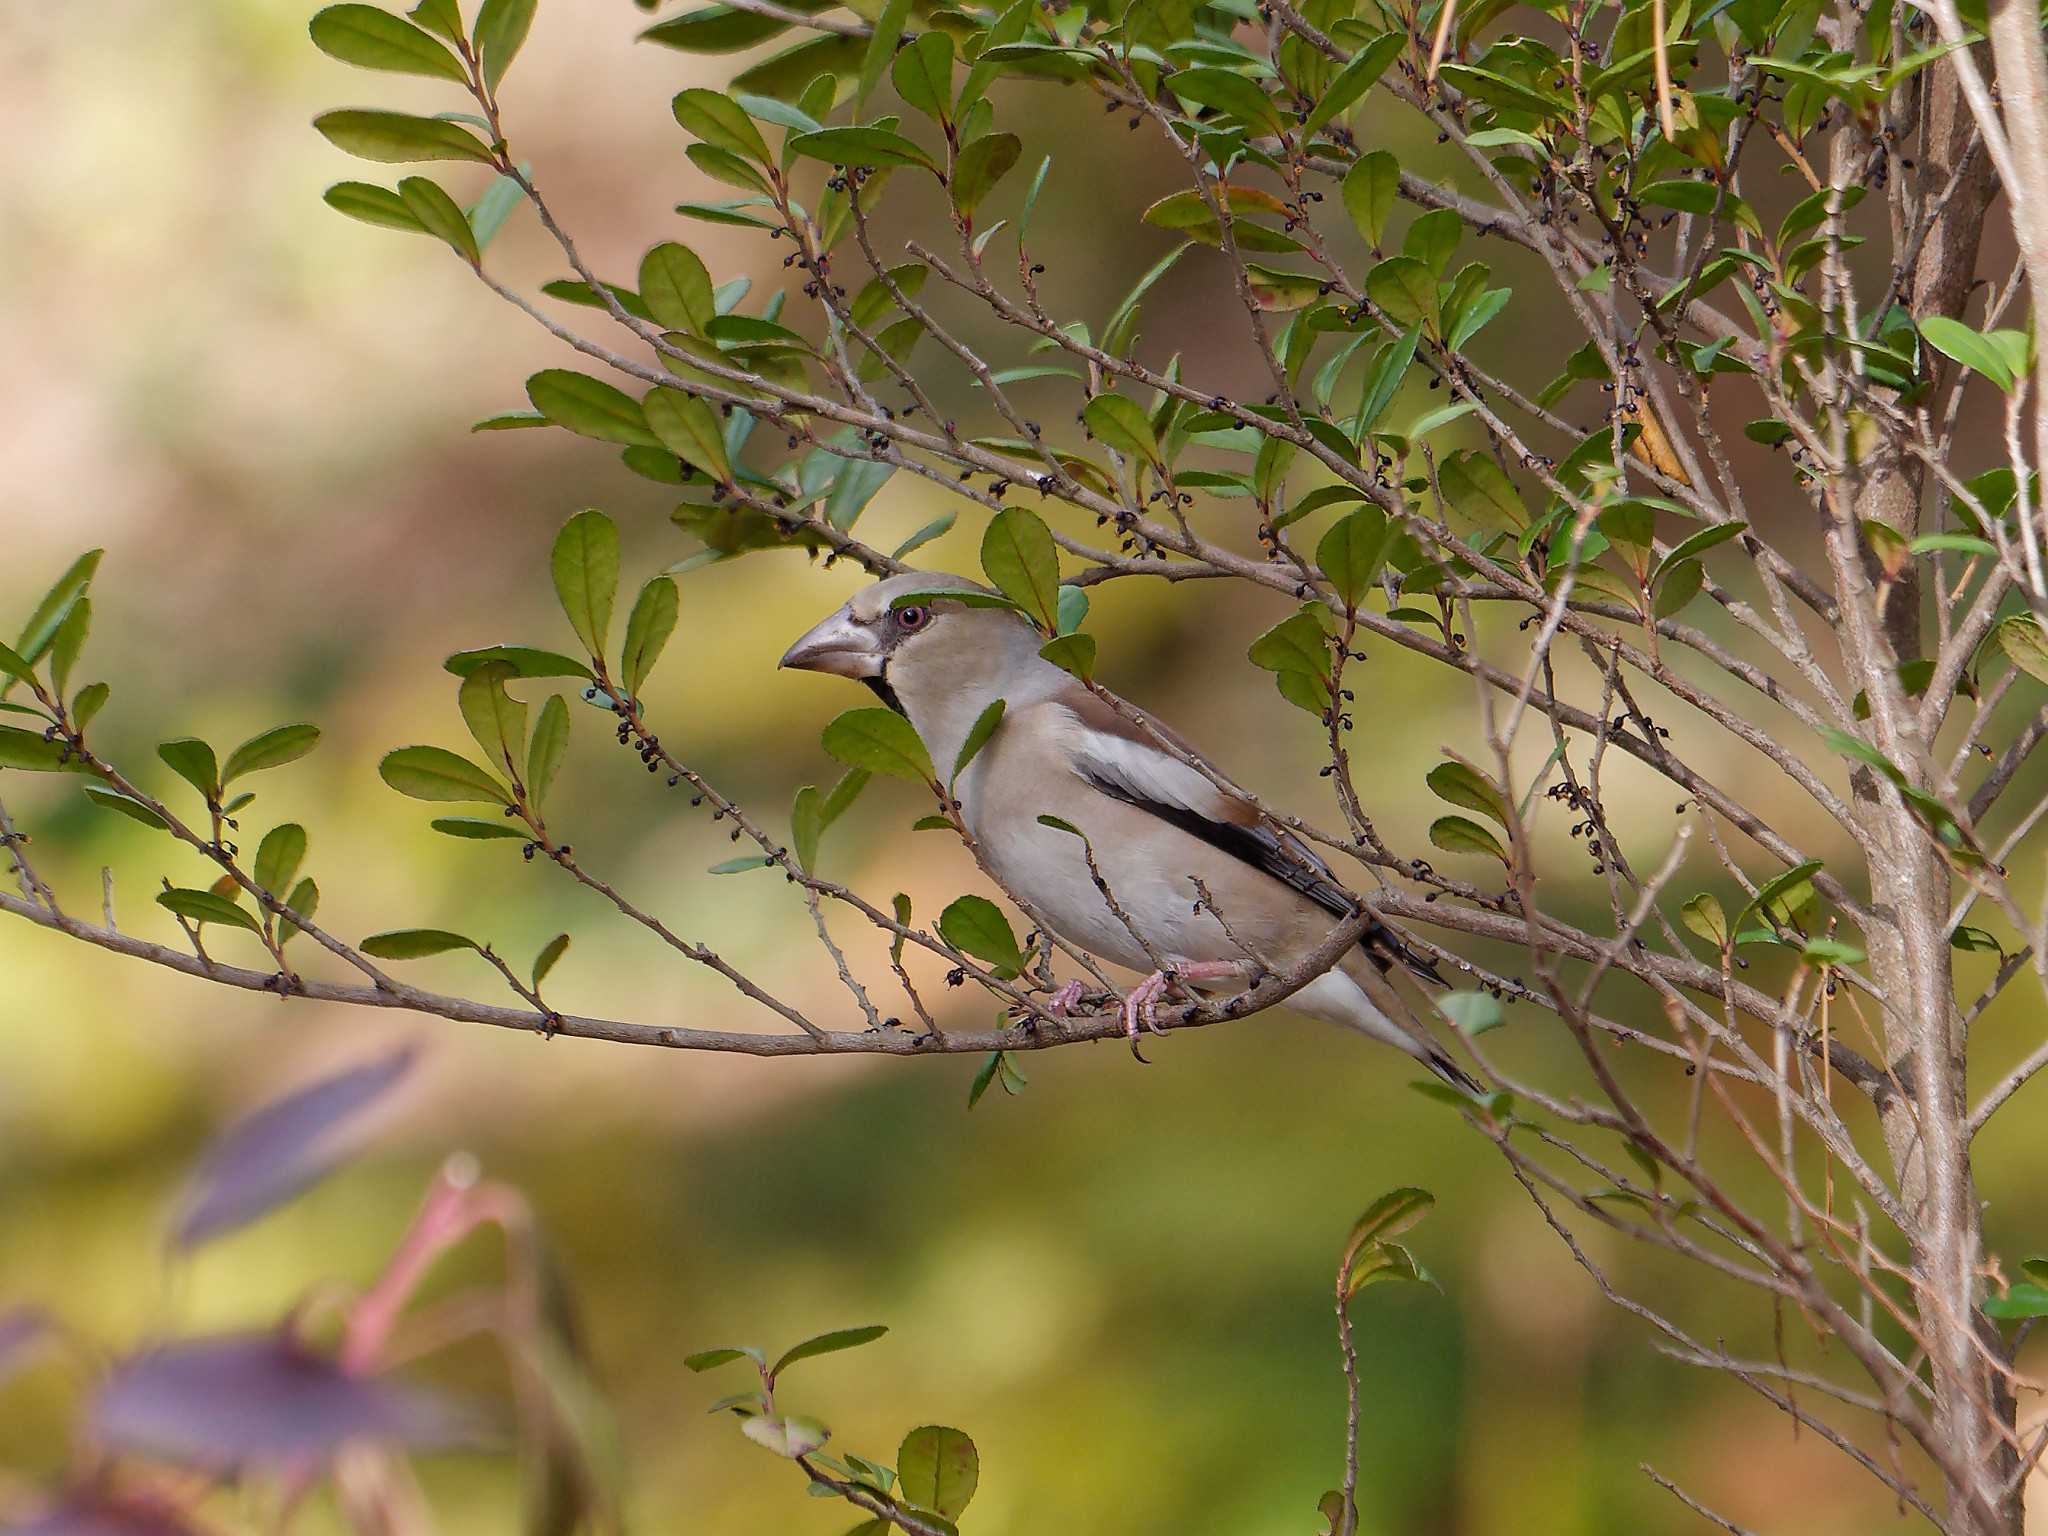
x=1062 y=1002
x=1141 y=1009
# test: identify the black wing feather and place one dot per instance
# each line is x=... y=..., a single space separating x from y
x=1271 y=850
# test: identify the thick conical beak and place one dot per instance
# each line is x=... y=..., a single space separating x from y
x=839 y=646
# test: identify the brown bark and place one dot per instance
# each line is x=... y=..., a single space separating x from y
x=1926 y=1131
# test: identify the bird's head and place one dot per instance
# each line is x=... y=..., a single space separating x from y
x=917 y=650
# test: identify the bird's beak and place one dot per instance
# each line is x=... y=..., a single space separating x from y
x=839 y=646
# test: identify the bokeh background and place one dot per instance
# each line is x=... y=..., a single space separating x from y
x=1118 y=1282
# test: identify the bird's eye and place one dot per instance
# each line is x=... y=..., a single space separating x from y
x=912 y=617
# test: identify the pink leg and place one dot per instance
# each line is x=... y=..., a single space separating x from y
x=1141 y=1003
x=1062 y=1002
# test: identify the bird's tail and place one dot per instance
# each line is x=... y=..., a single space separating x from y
x=1388 y=947
x=1452 y=1073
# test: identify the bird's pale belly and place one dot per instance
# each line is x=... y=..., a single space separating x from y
x=1048 y=870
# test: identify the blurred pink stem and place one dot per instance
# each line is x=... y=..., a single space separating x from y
x=455 y=1206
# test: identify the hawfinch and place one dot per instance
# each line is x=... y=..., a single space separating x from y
x=1154 y=825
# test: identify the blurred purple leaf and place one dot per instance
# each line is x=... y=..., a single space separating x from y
x=223 y=1402
x=23 y=1331
x=104 y=1515
x=281 y=1150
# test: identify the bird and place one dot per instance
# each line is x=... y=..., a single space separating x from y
x=1171 y=874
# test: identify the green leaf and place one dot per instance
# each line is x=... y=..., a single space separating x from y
x=689 y=429
x=441 y=216
x=68 y=644
x=1121 y=331
x=1388 y=369
x=304 y=900
x=789 y=1434
x=709 y=1359
x=398 y=138
x=1350 y=83
x=433 y=773
x=937 y=1468
x=1432 y=238
x=279 y=856
x=740 y=865
x=676 y=287
x=270 y=749
x=936 y=528
x=208 y=907
x=871 y=147
x=1073 y=608
x=813 y=814
x=1297 y=650
x=128 y=806
x=91 y=699
x=1121 y=423
x=2025 y=645
x=1676 y=585
x=879 y=740
x=371 y=38
x=481 y=829
x=1389 y=1216
x=193 y=761
x=648 y=629
x=721 y=122
x=1405 y=289
x=978 y=167
x=1780 y=898
x=585 y=562
x=975 y=926
x=573 y=290
x=978 y=736
x=1974 y=351
x=1466 y=787
x=414 y=943
x=1229 y=93
x=1703 y=916
x=922 y=73
x=40 y=633
x=524 y=660
x=1473 y=1012
x=496 y=720
x=511 y=421
x=1696 y=544
x=1458 y=834
x=722 y=29
x=1481 y=490
x=501 y=27
x=545 y=961
x=550 y=743
x=1369 y=188
x=1965 y=937
x=1280 y=291
x=826 y=1344
x=1074 y=654
x=881 y=49
x=1018 y=555
x=590 y=407
x=1498 y=90
x=487 y=215
x=1351 y=552
x=2025 y=1299
x=1831 y=952
x=30 y=751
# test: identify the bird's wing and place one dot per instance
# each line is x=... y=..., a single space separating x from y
x=1123 y=760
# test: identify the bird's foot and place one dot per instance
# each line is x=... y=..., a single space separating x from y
x=1141 y=1006
x=1062 y=1002
x=1141 y=1003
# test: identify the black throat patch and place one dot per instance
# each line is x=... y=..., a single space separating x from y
x=885 y=693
